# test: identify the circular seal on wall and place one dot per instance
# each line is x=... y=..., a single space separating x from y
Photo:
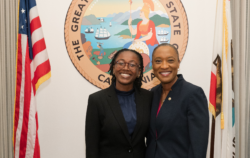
x=96 y=29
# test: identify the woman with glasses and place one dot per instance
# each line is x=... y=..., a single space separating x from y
x=117 y=118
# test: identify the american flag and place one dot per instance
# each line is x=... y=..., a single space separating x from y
x=32 y=69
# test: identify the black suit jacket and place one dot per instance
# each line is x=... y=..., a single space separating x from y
x=182 y=124
x=106 y=131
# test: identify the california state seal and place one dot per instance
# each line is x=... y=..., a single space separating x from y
x=96 y=29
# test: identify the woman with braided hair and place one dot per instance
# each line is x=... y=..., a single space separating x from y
x=117 y=118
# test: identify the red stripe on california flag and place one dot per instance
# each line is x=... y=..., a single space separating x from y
x=18 y=86
x=213 y=86
x=35 y=24
x=37 y=146
x=27 y=97
x=38 y=47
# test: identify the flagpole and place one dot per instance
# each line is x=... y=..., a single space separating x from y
x=13 y=130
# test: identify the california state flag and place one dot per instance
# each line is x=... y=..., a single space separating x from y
x=221 y=94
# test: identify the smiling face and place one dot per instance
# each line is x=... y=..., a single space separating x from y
x=166 y=64
x=125 y=76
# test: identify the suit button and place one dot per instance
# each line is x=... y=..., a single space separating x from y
x=130 y=150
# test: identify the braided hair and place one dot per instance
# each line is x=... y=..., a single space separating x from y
x=138 y=81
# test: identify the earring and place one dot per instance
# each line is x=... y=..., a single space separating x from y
x=179 y=69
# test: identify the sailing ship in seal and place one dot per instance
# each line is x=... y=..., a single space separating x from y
x=101 y=19
x=89 y=30
x=162 y=33
x=102 y=34
x=164 y=40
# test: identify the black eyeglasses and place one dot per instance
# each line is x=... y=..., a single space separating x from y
x=131 y=65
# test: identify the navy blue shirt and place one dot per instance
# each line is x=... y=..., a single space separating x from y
x=128 y=106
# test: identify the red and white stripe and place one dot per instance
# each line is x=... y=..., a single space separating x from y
x=29 y=71
x=40 y=65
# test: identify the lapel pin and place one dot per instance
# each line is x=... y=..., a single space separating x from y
x=169 y=98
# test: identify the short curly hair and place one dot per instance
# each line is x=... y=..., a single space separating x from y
x=167 y=44
x=138 y=81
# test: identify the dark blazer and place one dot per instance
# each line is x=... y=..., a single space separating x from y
x=182 y=124
x=106 y=132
